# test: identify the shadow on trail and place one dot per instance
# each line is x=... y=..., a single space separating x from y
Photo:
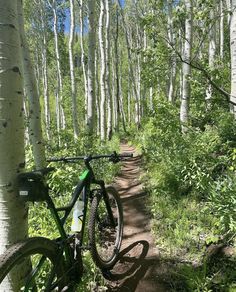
x=130 y=269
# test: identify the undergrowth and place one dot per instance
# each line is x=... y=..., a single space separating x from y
x=62 y=181
x=192 y=186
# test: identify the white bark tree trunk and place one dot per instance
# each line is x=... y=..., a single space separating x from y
x=233 y=56
x=171 y=37
x=131 y=70
x=102 y=73
x=35 y=130
x=116 y=76
x=221 y=30
x=211 y=54
x=91 y=67
x=184 y=107
x=60 y=115
x=72 y=71
x=108 y=70
x=97 y=94
x=81 y=17
x=229 y=4
x=151 y=99
x=13 y=213
x=47 y=114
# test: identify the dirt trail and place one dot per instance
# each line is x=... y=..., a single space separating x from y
x=138 y=267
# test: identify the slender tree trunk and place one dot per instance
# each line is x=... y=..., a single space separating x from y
x=172 y=41
x=35 y=130
x=184 y=108
x=233 y=55
x=117 y=73
x=13 y=213
x=114 y=103
x=45 y=73
x=72 y=71
x=103 y=73
x=60 y=115
x=211 y=54
x=151 y=99
x=131 y=70
x=97 y=94
x=81 y=17
x=122 y=106
x=91 y=67
x=229 y=4
x=221 y=30
x=108 y=69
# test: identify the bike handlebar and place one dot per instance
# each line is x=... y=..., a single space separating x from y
x=114 y=157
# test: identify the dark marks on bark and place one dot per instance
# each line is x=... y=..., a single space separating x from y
x=4 y=124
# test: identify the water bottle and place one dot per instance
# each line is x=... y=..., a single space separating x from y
x=77 y=219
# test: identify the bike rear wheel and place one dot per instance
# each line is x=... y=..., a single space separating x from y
x=42 y=264
x=105 y=238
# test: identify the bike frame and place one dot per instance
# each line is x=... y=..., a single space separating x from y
x=83 y=187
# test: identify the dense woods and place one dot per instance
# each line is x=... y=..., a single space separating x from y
x=83 y=74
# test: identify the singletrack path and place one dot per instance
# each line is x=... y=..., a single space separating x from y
x=138 y=267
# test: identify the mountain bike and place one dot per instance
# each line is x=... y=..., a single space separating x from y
x=56 y=265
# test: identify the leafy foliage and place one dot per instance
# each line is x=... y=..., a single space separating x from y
x=191 y=180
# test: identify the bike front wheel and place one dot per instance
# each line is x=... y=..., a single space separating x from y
x=34 y=264
x=105 y=236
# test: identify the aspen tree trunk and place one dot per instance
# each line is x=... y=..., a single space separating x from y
x=151 y=99
x=172 y=41
x=184 y=107
x=91 y=67
x=13 y=213
x=116 y=60
x=122 y=106
x=114 y=103
x=35 y=130
x=180 y=41
x=72 y=71
x=211 y=54
x=102 y=73
x=97 y=94
x=129 y=102
x=60 y=115
x=81 y=17
x=45 y=73
x=221 y=30
x=233 y=55
x=107 y=76
x=137 y=58
x=131 y=70
x=229 y=4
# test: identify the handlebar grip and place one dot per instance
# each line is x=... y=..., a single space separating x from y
x=56 y=159
x=126 y=155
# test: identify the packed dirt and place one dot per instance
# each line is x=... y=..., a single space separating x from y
x=139 y=266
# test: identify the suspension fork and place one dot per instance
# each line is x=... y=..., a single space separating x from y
x=106 y=200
